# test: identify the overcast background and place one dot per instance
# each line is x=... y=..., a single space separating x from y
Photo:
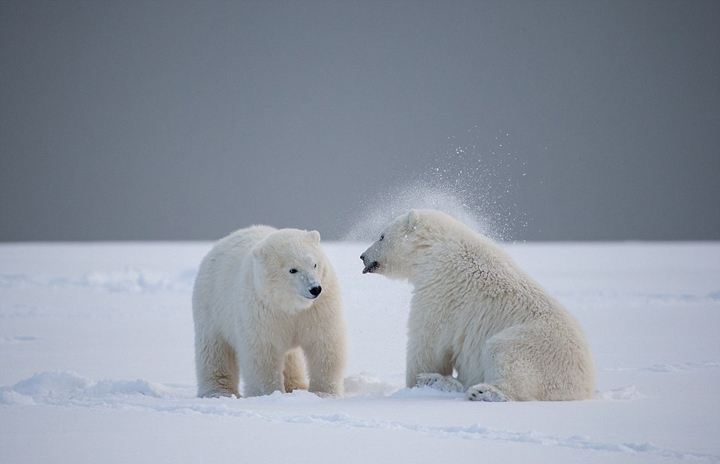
x=184 y=120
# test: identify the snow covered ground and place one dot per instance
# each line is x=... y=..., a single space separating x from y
x=96 y=365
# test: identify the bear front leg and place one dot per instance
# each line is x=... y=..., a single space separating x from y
x=446 y=383
x=217 y=372
x=486 y=392
x=262 y=371
x=294 y=371
x=420 y=360
x=326 y=362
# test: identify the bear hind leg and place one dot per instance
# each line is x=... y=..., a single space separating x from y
x=511 y=365
x=217 y=368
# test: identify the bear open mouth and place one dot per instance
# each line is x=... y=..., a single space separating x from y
x=370 y=267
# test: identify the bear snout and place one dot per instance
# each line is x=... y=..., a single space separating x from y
x=370 y=267
x=315 y=291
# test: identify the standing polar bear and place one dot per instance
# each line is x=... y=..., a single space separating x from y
x=260 y=297
x=475 y=312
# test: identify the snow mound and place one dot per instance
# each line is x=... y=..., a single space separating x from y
x=18 y=339
x=8 y=397
x=667 y=367
x=620 y=394
x=367 y=385
x=128 y=280
x=58 y=387
x=138 y=281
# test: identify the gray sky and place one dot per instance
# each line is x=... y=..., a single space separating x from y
x=185 y=120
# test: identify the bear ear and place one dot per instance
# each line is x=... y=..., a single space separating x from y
x=314 y=236
x=258 y=251
x=413 y=219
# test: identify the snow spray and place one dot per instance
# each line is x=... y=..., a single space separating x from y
x=473 y=187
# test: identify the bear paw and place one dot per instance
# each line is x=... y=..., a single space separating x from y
x=485 y=392
x=291 y=386
x=219 y=393
x=444 y=383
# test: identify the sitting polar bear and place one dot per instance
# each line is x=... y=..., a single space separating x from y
x=474 y=311
x=260 y=296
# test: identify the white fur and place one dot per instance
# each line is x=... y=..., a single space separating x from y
x=475 y=312
x=255 y=319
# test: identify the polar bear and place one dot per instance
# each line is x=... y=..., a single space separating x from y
x=264 y=302
x=475 y=312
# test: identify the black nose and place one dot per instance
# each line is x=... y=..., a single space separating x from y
x=315 y=291
x=362 y=256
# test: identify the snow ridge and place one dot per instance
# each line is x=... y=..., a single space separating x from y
x=128 y=280
x=67 y=388
x=678 y=367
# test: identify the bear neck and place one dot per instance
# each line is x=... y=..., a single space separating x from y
x=468 y=258
x=453 y=258
x=258 y=291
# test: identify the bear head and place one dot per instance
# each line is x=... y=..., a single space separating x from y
x=399 y=244
x=288 y=268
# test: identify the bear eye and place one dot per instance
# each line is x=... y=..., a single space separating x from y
x=382 y=237
x=315 y=266
x=293 y=271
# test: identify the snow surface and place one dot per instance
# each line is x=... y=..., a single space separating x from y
x=96 y=365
